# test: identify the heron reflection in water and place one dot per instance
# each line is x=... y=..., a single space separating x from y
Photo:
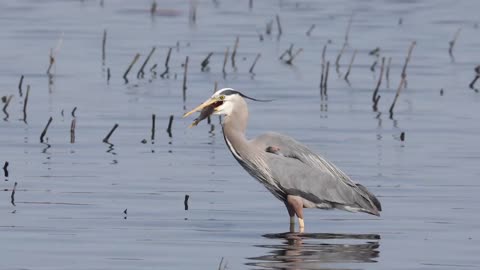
x=317 y=251
x=289 y=170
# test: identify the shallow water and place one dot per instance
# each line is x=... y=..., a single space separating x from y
x=70 y=199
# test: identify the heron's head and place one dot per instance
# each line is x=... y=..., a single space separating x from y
x=221 y=102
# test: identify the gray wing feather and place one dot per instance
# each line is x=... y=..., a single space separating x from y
x=301 y=172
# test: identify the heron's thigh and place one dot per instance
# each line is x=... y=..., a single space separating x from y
x=296 y=203
x=291 y=211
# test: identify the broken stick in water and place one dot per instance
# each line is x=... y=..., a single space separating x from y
x=254 y=63
x=322 y=75
x=105 y=140
x=234 y=52
x=12 y=196
x=350 y=65
x=44 y=132
x=25 y=102
x=403 y=77
x=326 y=78
x=53 y=54
x=374 y=64
x=279 y=25
x=225 y=61
x=387 y=73
x=141 y=72
x=376 y=97
x=309 y=31
x=5 y=169
x=477 y=75
x=345 y=44
x=51 y=58
x=153 y=127
x=72 y=130
x=288 y=52
x=293 y=56
x=169 y=128
x=337 y=61
x=349 y=25
x=166 y=63
x=7 y=101
x=104 y=43
x=375 y=52
x=20 y=91
x=152 y=69
x=135 y=59
x=185 y=74
x=193 y=12
x=407 y=60
x=205 y=62
x=452 y=42
x=222 y=265
x=185 y=202
x=268 y=28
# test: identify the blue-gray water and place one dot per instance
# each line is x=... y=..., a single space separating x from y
x=70 y=198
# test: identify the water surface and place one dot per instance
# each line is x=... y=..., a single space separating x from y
x=70 y=199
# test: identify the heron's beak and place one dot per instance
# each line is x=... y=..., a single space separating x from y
x=206 y=108
x=207 y=103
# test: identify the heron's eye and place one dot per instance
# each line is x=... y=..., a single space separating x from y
x=222 y=97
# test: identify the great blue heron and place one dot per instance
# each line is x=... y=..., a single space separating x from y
x=289 y=170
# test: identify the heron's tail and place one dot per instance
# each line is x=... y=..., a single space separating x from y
x=372 y=198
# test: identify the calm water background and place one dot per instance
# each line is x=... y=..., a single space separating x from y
x=70 y=198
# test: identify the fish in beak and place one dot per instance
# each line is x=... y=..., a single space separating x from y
x=206 y=109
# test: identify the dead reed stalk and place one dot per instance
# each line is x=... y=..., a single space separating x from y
x=169 y=128
x=44 y=132
x=25 y=102
x=225 y=60
x=452 y=42
x=185 y=74
x=107 y=138
x=104 y=43
x=153 y=127
x=141 y=72
x=403 y=78
x=279 y=25
x=167 y=59
x=350 y=65
x=205 y=62
x=20 y=91
x=376 y=97
x=309 y=31
x=234 y=52
x=135 y=59
x=255 y=62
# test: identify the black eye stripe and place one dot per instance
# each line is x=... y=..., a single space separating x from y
x=229 y=92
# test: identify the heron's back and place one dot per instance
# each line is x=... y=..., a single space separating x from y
x=296 y=170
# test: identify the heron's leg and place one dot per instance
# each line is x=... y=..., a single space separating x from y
x=291 y=212
x=296 y=203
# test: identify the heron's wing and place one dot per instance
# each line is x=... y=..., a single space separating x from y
x=289 y=147
x=316 y=186
x=298 y=170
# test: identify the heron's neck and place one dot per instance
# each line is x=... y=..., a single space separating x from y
x=234 y=127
